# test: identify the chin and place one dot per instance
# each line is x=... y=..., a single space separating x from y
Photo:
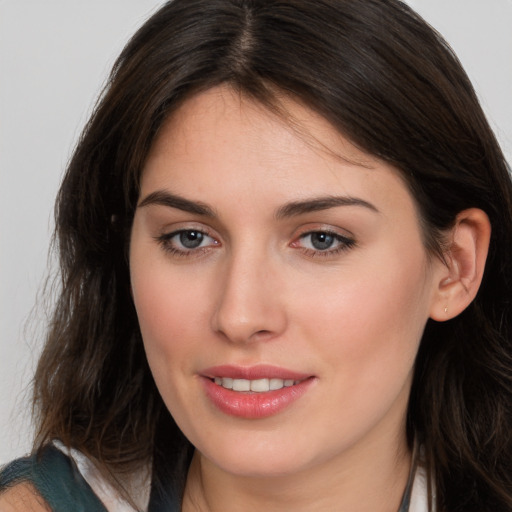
x=258 y=466
x=258 y=456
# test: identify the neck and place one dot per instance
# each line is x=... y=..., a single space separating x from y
x=371 y=479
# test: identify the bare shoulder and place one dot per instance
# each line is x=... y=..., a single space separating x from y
x=22 y=498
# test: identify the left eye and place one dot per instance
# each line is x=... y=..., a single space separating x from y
x=187 y=240
x=324 y=241
x=191 y=239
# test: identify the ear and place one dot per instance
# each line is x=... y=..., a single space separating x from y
x=459 y=277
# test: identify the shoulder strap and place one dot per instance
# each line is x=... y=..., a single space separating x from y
x=56 y=478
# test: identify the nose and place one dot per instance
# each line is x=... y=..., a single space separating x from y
x=250 y=304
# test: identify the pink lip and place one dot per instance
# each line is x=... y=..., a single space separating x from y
x=261 y=371
x=250 y=405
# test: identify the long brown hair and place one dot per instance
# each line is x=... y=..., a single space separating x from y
x=388 y=82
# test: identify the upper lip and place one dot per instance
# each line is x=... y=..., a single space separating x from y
x=260 y=371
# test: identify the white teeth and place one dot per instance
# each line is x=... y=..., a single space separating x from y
x=241 y=385
x=256 y=386
x=227 y=382
x=260 y=385
x=276 y=384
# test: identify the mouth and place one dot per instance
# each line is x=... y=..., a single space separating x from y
x=254 y=392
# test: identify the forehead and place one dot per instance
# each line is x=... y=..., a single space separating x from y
x=201 y=117
x=222 y=144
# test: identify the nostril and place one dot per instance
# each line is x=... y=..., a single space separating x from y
x=261 y=335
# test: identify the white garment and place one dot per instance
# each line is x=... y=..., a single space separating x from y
x=109 y=496
x=419 y=498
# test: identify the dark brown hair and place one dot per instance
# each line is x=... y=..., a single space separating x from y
x=388 y=82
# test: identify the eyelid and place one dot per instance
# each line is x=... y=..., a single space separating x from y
x=323 y=228
x=345 y=241
x=165 y=241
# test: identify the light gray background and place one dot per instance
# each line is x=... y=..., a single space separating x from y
x=54 y=57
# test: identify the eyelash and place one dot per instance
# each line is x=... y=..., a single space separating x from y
x=343 y=243
x=165 y=241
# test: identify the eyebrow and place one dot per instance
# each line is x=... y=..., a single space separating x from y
x=321 y=203
x=295 y=208
x=163 y=198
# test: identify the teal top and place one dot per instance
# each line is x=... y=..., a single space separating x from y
x=58 y=480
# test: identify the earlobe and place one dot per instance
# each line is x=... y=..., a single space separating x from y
x=460 y=276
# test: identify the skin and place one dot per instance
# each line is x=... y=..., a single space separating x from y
x=257 y=291
x=23 y=498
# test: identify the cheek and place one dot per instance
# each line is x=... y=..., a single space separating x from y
x=167 y=308
x=371 y=318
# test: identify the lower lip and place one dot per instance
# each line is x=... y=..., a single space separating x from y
x=254 y=405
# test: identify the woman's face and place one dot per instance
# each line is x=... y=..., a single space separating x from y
x=288 y=266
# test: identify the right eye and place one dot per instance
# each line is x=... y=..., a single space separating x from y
x=186 y=241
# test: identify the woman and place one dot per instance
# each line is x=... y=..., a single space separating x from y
x=286 y=280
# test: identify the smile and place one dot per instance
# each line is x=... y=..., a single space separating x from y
x=256 y=386
x=254 y=392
